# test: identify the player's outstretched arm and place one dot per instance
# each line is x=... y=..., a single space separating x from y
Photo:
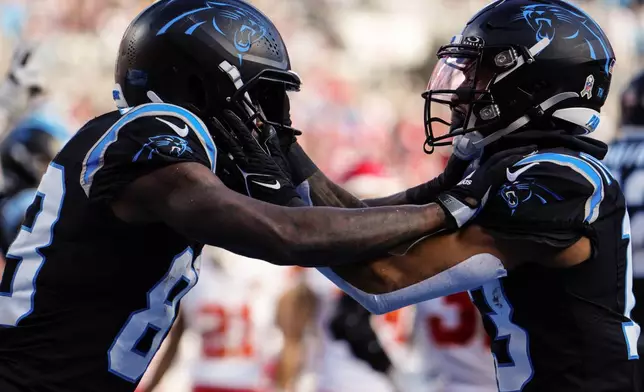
x=189 y=198
x=325 y=192
x=434 y=267
x=444 y=265
x=501 y=239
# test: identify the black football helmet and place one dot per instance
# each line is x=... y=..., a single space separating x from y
x=632 y=105
x=542 y=63
x=206 y=56
x=27 y=150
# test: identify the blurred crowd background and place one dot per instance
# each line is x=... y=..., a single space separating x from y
x=364 y=64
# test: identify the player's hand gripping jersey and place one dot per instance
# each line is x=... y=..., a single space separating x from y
x=561 y=329
x=64 y=273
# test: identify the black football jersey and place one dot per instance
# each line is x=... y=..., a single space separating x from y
x=86 y=299
x=561 y=330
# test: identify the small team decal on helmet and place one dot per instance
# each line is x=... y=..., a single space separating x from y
x=588 y=87
x=593 y=123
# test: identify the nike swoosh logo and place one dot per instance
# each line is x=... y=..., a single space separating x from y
x=275 y=186
x=183 y=132
x=512 y=177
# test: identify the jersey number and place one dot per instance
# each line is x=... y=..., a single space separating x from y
x=633 y=189
x=445 y=335
x=141 y=336
x=510 y=343
x=631 y=330
x=230 y=335
x=24 y=258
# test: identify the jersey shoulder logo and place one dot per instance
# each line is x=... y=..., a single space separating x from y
x=519 y=192
x=168 y=145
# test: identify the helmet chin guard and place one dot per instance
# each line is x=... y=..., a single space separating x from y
x=470 y=145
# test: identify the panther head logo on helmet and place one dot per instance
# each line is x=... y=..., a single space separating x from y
x=240 y=26
x=555 y=22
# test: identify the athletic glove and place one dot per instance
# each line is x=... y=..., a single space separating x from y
x=263 y=178
x=462 y=202
x=278 y=110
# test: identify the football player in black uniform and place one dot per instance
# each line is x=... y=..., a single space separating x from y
x=625 y=159
x=523 y=72
x=111 y=242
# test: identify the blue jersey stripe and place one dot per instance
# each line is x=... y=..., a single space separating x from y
x=600 y=165
x=94 y=159
x=178 y=18
x=585 y=169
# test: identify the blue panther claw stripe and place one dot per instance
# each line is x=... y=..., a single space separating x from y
x=556 y=22
x=252 y=29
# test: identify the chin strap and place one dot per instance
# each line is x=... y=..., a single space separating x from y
x=471 y=145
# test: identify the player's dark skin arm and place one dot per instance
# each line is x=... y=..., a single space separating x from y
x=325 y=192
x=195 y=203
